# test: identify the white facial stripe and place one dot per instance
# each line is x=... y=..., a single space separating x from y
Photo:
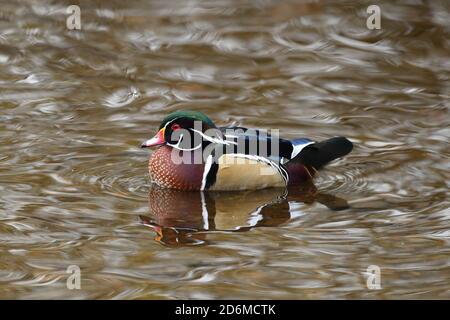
x=204 y=212
x=170 y=122
x=177 y=145
x=151 y=142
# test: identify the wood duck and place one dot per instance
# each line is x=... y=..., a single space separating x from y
x=194 y=154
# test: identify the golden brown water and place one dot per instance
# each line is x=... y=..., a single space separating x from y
x=75 y=106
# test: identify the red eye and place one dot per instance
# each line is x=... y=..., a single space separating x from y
x=175 y=126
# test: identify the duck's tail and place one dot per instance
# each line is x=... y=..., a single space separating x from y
x=320 y=153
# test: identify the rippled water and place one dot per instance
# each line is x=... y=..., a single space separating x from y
x=74 y=188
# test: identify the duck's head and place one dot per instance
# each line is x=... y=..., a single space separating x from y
x=181 y=129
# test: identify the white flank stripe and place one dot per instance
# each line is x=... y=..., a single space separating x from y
x=280 y=169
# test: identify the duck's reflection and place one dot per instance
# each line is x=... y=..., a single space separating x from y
x=183 y=218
